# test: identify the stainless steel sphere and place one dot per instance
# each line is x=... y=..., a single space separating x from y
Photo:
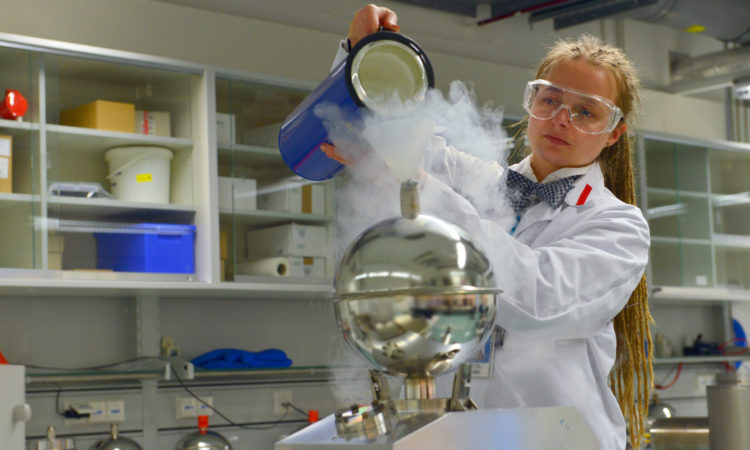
x=415 y=296
x=207 y=440
x=116 y=442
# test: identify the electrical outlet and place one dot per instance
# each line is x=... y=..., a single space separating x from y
x=98 y=412
x=184 y=407
x=201 y=409
x=93 y=412
x=279 y=398
x=115 y=411
x=189 y=407
x=703 y=381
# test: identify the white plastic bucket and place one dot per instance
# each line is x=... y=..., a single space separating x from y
x=139 y=174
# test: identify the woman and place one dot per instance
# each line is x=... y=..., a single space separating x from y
x=574 y=302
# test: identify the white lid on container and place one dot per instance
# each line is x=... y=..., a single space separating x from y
x=129 y=151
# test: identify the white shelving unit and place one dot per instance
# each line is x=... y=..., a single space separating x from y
x=695 y=195
x=257 y=111
x=699 y=360
x=58 y=76
x=104 y=208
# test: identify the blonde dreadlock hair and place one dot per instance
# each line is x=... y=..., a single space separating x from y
x=631 y=378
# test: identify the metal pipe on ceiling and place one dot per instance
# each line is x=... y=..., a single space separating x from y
x=710 y=71
x=726 y=20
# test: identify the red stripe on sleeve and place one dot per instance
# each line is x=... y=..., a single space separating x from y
x=584 y=195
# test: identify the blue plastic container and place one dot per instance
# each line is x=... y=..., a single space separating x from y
x=151 y=247
x=380 y=63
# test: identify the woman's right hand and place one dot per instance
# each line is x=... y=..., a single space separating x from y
x=369 y=19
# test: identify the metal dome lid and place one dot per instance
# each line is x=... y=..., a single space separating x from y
x=116 y=442
x=203 y=439
x=208 y=440
x=421 y=256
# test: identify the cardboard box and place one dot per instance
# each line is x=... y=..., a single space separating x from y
x=6 y=163
x=223 y=245
x=307 y=267
x=55 y=243
x=288 y=240
x=55 y=249
x=237 y=193
x=102 y=115
x=155 y=123
x=54 y=260
x=313 y=199
x=225 y=128
x=288 y=200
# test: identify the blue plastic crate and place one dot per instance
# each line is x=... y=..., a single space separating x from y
x=150 y=247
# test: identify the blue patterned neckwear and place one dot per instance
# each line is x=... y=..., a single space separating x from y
x=524 y=193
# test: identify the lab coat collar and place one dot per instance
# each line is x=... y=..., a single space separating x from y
x=590 y=184
x=586 y=188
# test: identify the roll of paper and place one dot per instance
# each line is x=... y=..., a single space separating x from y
x=275 y=267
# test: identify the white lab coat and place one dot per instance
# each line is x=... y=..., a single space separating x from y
x=565 y=274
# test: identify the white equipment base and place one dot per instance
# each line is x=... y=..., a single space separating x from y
x=491 y=429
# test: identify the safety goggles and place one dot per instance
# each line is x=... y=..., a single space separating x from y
x=590 y=114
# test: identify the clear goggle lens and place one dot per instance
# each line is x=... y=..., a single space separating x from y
x=590 y=114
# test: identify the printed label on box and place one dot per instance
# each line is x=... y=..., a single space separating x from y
x=155 y=123
x=5 y=147
x=3 y=168
x=143 y=178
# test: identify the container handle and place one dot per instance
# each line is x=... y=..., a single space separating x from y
x=127 y=164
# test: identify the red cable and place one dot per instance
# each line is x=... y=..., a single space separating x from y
x=676 y=376
x=520 y=11
x=728 y=366
x=725 y=343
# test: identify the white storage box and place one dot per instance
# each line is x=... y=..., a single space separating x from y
x=287 y=240
x=155 y=123
x=237 y=193
x=314 y=199
x=225 y=128
x=267 y=136
x=307 y=199
x=288 y=200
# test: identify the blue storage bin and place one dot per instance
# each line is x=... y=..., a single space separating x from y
x=150 y=247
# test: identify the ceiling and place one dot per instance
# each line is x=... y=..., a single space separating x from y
x=564 y=13
x=461 y=20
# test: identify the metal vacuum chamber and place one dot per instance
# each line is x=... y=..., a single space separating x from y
x=417 y=298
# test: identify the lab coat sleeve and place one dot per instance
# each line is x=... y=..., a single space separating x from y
x=478 y=181
x=569 y=288
x=341 y=55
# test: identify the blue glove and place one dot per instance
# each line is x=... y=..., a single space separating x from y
x=229 y=358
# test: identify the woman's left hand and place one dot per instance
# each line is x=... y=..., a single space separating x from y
x=331 y=152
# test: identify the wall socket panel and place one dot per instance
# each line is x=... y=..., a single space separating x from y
x=279 y=398
x=188 y=407
x=99 y=411
x=702 y=381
